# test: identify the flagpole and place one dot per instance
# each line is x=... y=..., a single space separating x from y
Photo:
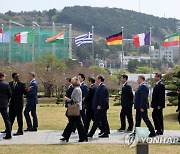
x=33 y=44
x=122 y=56
x=64 y=28
x=70 y=41
x=2 y=46
x=93 y=45
x=53 y=45
x=150 y=60
x=9 y=43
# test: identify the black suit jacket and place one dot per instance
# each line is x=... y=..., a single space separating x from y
x=101 y=98
x=158 y=96
x=68 y=93
x=17 y=99
x=127 y=96
x=89 y=97
x=5 y=94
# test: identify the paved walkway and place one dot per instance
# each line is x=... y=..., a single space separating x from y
x=53 y=136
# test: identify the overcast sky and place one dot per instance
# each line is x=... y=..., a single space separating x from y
x=167 y=8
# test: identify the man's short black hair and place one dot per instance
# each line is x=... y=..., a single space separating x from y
x=142 y=77
x=32 y=74
x=82 y=76
x=92 y=79
x=124 y=76
x=68 y=79
x=101 y=77
x=14 y=74
x=2 y=74
x=159 y=75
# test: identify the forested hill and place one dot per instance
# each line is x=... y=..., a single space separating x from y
x=110 y=20
x=106 y=21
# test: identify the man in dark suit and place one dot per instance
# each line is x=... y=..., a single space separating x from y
x=100 y=105
x=158 y=104
x=84 y=89
x=5 y=94
x=17 y=102
x=32 y=100
x=178 y=108
x=141 y=105
x=88 y=102
x=69 y=91
x=127 y=103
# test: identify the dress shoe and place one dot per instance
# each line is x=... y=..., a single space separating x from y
x=64 y=139
x=18 y=133
x=26 y=130
x=101 y=133
x=33 y=129
x=159 y=133
x=85 y=140
x=121 y=130
x=7 y=137
x=152 y=134
x=89 y=135
x=3 y=132
x=104 y=136
x=128 y=130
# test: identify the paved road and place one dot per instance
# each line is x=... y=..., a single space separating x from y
x=53 y=136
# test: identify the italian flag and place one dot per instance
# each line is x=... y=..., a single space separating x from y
x=58 y=38
x=1 y=33
x=24 y=37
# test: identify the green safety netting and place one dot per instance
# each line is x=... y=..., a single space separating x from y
x=23 y=52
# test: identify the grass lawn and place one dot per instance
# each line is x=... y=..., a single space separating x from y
x=51 y=117
x=86 y=149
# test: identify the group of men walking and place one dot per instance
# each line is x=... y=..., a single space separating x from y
x=95 y=104
x=141 y=105
x=12 y=95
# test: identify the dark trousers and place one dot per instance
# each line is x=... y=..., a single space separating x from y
x=79 y=125
x=83 y=116
x=89 y=117
x=66 y=128
x=143 y=115
x=100 y=117
x=157 y=116
x=6 y=119
x=16 y=112
x=179 y=117
x=32 y=109
x=126 y=112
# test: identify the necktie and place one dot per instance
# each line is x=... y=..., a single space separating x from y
x=14 y=84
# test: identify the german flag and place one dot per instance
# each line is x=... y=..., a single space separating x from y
x=115 y=39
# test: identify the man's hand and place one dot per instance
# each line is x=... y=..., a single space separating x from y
x=29 y=88
x=158 y=107
x=65 y=98
x=98 y=107
x=142 y=110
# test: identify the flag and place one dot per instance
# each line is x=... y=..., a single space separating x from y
x=115 y=39
x=84 y=39
x=24 y=37
x=59 y=38
x=6 y=36
x=141 y=39
x=171 y=40
x=1 y=32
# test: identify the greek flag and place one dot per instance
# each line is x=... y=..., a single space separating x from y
x=84 y=39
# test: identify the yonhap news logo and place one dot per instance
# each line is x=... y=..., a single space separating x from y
x=131 y=140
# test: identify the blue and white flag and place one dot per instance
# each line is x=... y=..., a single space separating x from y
x=84 y=39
